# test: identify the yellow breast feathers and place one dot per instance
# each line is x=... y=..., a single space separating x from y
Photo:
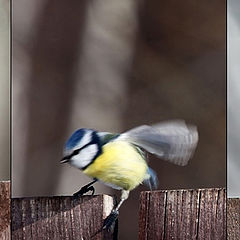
x=120 y=165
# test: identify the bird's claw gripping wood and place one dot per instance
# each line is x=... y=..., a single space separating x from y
x=109 y=222
x=85 y=189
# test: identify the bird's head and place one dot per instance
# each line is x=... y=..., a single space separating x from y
x=82 y=148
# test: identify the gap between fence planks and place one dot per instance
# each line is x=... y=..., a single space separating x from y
x=5 y=210
x=183 y=214
x=59 y=218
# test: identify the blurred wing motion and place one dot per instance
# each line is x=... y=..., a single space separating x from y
x=173 y=141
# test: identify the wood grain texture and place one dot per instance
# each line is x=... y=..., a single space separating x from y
x=233 y=218
x=5 y=210
x=183 y=214
x=59 y=218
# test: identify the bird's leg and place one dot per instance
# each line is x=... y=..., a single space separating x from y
x=86 y=189
x=109 y=221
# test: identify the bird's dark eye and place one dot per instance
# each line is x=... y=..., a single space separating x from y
x=75 y=152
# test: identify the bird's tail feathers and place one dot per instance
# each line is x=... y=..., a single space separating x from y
x=151 y=179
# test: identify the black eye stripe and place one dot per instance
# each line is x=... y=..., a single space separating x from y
x=76 y=151
x=95 y=140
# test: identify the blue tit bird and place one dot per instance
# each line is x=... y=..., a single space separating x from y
x=119 y=160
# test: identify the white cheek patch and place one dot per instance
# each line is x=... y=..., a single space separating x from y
x=85 y=156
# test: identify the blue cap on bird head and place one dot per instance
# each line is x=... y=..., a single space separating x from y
x=75 y=138
x=80 y=138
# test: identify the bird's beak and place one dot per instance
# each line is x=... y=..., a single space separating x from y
x=65 y=159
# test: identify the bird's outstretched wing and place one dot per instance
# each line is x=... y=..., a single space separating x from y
x=173 y=141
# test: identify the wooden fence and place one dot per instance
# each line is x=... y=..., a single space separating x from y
x=171 y=214
x=5 y=210
x=233 y=218
x=60 y=217
x=183 y=214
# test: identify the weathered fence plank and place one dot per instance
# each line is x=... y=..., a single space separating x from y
x=183 y=214
x=59 y=218
x=5 y=210
x=173 y=214
x=233 y=218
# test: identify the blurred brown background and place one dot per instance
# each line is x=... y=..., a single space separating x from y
x=112 y=65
